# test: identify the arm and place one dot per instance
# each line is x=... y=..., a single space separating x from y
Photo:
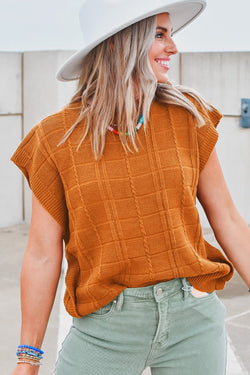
x=230 y=229
x=39 y=279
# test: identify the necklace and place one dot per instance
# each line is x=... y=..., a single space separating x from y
x=110 y=128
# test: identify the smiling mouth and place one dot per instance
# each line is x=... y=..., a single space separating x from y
x=163 y=63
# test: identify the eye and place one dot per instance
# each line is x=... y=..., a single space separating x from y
x=159 y=35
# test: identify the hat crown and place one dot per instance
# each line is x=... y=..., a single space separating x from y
x=101 y=18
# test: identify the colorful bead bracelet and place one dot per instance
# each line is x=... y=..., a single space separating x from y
x=25 y=356
x=31 y=348
x=29 y=354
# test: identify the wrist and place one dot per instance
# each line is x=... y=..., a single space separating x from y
x=26 y=369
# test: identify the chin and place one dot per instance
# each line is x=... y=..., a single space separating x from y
x=163 y=80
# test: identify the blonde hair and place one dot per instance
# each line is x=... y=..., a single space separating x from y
x=117 y=85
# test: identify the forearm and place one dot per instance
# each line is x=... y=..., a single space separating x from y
x=233 y=235
x=39 y=280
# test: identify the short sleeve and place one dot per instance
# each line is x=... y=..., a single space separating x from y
x=35 y=160
x=207 y=135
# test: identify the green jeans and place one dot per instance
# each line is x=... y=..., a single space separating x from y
x=163 y=326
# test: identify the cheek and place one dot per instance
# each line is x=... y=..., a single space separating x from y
x=152 y=53
x=154 y=48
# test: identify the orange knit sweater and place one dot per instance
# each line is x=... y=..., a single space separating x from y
x=129 y=220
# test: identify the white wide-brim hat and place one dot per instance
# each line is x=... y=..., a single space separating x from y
x=100 y=19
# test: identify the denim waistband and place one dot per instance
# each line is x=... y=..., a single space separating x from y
x=163 y=288
x=157 y=291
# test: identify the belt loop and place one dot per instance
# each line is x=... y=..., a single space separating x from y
x=119 y=303
x=186 y=287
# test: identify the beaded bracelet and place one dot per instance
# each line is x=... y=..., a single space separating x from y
x=20 y=356
x=29 y=362
x=30 y=347
x=20 y=353
x=29 y=354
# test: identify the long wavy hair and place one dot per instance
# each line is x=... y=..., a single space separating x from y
x=117 y=85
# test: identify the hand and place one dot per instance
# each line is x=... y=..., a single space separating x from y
x=25 y=369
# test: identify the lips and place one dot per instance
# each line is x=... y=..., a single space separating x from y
x=163 y=62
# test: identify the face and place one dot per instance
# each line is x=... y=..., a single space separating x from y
x=162 y=48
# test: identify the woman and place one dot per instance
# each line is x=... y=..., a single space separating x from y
x=141 y=279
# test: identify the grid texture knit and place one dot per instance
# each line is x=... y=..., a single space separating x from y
x=129 y=220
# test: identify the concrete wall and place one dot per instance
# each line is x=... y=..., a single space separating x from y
x=30 y=92
x=223 y=79
x=42 y=95
x=11 y=134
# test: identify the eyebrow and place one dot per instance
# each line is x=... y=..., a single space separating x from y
x=163 y=29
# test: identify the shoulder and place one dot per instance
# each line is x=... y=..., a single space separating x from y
x=210 y=114
x=160 y=109
x=172 y=114
x=52 y=128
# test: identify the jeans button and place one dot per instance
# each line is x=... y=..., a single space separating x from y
x=159 y=292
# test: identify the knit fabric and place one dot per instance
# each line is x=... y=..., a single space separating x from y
x=129 y=220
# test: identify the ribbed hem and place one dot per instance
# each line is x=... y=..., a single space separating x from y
x=210 y=282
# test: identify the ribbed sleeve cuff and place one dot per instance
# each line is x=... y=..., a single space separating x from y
x=48 y=201
x=215 y=116
x=209 y=137
x=43 y=178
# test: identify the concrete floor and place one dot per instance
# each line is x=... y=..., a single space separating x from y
x=12 y=244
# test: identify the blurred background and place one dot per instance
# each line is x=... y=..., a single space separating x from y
x=53 y=24
x=36 y=38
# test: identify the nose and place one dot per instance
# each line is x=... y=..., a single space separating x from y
x=170 y=46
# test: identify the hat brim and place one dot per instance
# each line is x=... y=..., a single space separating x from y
x=181 y=14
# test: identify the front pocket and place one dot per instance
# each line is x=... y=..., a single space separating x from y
x=198 y=294
x=104 y=311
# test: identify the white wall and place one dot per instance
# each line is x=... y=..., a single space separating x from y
x=223 y=79
x=42 y=94
x=30 y=92
x=11 y=134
